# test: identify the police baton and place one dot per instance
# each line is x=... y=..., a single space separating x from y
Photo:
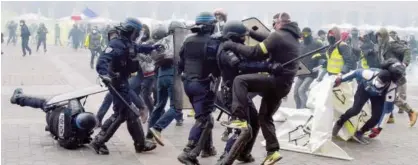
x=112 y=88
x=309 y=53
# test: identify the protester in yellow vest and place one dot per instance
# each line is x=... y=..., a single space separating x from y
x=369 y=58
x=338 y=56
x=93 y=42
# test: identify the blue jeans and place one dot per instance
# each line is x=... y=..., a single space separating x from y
x=300 y=91
x=147 y=87
x=160 y=120
x=135 y=85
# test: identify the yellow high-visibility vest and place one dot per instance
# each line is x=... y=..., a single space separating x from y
x=335 y=62
x=364 y=64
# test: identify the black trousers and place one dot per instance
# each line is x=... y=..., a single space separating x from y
x=25 y=46
x=272 y=90
x=12 y=38
x=94 y=52
x=121 y=114
x=58 y=41
x=360 y=98
x=43 y=42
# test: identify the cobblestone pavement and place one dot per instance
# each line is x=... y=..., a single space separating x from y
x=24 y=140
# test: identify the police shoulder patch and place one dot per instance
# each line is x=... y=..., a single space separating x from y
x=108 y=50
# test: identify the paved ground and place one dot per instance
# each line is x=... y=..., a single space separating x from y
x=61 y=69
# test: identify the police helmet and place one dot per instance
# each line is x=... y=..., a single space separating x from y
x=86 y=121
x=205 y=18
x=396 y=69
x=234 y=30
x=159 y=32
x=131 y=24
x=384 y=76
x=175 y=24
x=130 y=28
x=397 y=72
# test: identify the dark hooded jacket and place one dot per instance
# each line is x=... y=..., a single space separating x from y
x=24 y=31
x=369 y=52
x=42 y=31
x=280 y=47
x=345 y=51
x=390 y=48
x=307 y=45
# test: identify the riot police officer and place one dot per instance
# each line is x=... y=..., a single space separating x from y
x=232 y=65
x=69 y=124
x=197 y=61
x=115 y=66
x=280 y=46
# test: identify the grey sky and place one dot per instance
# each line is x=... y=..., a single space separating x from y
x=306 y=13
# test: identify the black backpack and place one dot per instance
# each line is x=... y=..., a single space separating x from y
x=397 y=70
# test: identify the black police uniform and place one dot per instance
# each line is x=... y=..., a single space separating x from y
x=60 y=120
x=198 y=64
x=117 y=63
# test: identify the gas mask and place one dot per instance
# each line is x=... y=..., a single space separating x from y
x=21 y=24
x=354 y=34
x=94 y=31
x=331 y=39
x=238 y=39
x=307 y=37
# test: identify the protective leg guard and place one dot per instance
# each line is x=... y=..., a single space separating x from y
x=137 y=134
x=237 y=147
x=209 y=149
x=204 y=137
x=190 y=157
x=109 y=128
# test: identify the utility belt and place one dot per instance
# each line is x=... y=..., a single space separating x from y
x=212 y=80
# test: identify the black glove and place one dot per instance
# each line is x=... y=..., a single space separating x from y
x=158 y=47
x=105 y=79
x=228 y=45
x=276 y=68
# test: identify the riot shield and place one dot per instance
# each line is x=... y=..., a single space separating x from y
x=79 y=93
x=181 y=101
x=256 y=25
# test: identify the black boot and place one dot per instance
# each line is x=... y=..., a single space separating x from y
x=190 y=145
x=23 y=100
x=100 y=149
x=246 y=158
x=209 y=152
x=16 y=94
x=336 y=128
x=147 y=146
x=187 y=159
